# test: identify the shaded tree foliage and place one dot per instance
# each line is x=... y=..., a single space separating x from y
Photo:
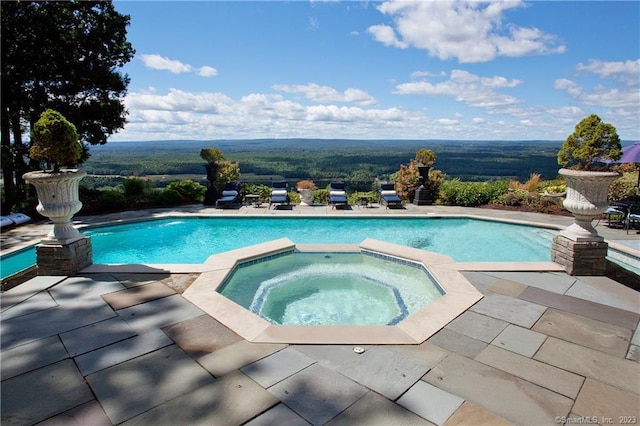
x=64 y=56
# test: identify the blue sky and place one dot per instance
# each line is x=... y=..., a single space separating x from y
x=380 y=70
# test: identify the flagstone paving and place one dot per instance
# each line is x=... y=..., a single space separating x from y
x=126 y=348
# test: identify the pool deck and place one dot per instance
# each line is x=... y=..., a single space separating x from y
x=122 y=345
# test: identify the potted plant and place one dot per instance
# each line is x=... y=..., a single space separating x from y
x=212 y=156
x=54 y=142
x=592 y=142
x=425 y=159
x=306 y=189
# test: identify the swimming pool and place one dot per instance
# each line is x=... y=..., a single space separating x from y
x=193 y=240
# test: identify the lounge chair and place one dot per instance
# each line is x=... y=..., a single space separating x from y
x=389 y=196
x=279 y=193
x=14 y=219
x=337 y=194
x=230 y=196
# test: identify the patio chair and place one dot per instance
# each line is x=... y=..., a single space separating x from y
x=389 y=196
x=14 y=219
x=337 y=194
x=230 y=196
x=279 y=193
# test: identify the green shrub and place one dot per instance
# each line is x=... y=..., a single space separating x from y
x=321 y=196
x=454 y=192
x=263 y=191
x=353 y=198
x=112 y=199
x=189 y=189
x=135 y=189
x=169 y=197
x=624 y=187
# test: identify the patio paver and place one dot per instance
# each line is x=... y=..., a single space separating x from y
x=458 y=343
x=519 y=340
x=121 y=351
x=547 y=376
x=430 y=402
x=597 y=365
x=510 y=397
x=584 y=331
x=159 y=313
x=607 y=402
x=277 y=367
x=38 y=394
x=509 y=309
x=471 y=414
x=133 y=387
x=317 y=393
x=582 y=307
x=236 y=356
x=278 y=415
x=137 y=295
x=231 y=400
x=96 y=335
x=31 y=356
x=201 y=335
x=384 y=371
x=374 y=410
x=477 y=326
x=90 y=413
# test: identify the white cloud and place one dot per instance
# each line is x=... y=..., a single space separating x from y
x=317 y=93
x=468 y=31
x=448 y=121
x=612 y=69
x=465 y=87
x=158 y=62
x=207 y=71
x=618 y=87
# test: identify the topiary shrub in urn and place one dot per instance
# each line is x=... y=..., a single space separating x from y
x=55 y=143
x=592 y=142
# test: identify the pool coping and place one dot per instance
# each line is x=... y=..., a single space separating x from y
x=460 y=295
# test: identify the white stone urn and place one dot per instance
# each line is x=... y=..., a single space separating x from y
x=586 y=198
x=58 y=200
x=306 y=196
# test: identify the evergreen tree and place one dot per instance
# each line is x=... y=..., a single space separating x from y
x=63 y=56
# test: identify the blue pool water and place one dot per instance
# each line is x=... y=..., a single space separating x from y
x=331 y=288
x=193 y=240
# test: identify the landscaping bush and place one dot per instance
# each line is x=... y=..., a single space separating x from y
x=454 y=192
x=169 y=197
x=624 y=187
x=136 y=190
x=321 y=196
x=190 y=190
x=112 y=199
x=263 y=191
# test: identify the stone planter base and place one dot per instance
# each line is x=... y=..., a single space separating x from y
x=64 y=259
x=580 y=257
x=423 y=197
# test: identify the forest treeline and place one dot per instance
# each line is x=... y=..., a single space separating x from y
x=356 y=161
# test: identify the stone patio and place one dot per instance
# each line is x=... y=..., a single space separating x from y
x=119 y=347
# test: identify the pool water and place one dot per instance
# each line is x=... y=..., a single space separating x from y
x=193 y=240
x=331 y=289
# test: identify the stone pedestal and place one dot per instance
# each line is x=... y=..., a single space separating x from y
x=423 y=197
x=580 y=257
x=64 y=259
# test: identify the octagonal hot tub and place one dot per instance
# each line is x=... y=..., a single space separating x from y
x=376 y=292
x=331 y=288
